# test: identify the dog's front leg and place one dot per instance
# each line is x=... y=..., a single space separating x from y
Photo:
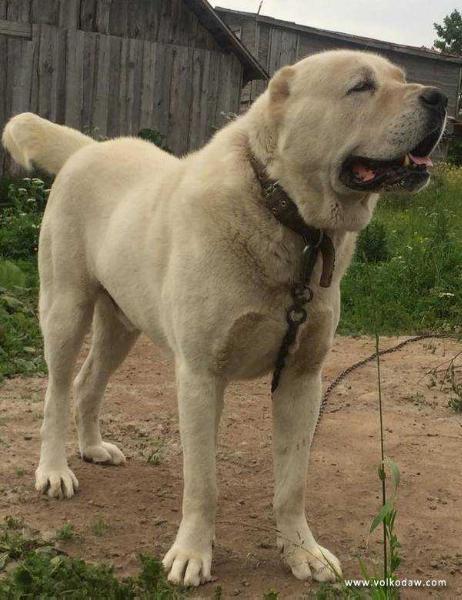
x=296 y=405
x=200 y=398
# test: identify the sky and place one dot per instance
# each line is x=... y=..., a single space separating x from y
x=403 y=21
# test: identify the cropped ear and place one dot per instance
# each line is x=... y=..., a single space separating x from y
x=279 y=89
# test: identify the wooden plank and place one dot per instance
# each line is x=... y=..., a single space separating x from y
x=225 y=93
x=15 y=29
x=20 y=79
x=164 y=60
x=118 y=17
x=3 y=9
x=113 y=127
x=165 y=25
x=148 y=107
x=45 y=71
x=274 y=59
x=89 y=75
x=135 y=70
x=4 y=115
x=34 y=96
x=103 y=9
x=74 y=78
x=88 y=15
x=69 y=14
x=288 y=49
x=45 y=11
x=136 y=21
x=19 y=10
x=123 y=88
x=180 y=100
x=212 y=93
x=100 y=105
x=197 y=131
x=51 y=69
x=58 y=106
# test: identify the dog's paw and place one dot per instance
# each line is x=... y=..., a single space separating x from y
x=316 y=562
x=56 y=482
x=104 y=453
x=187 y=566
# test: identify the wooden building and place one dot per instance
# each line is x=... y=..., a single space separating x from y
x=276 y=43
x=113 y=67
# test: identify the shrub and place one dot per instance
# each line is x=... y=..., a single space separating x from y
x=20 y=338
x=373 y=243
x=20 y=220
x=11 y=275
x=455 y=152
x=155 y=137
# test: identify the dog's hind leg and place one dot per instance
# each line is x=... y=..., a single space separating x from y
x=65 y=316
x=111 y=342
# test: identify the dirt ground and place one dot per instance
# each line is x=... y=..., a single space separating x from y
x=121 y=511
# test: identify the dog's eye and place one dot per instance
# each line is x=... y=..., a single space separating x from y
x=363 y=86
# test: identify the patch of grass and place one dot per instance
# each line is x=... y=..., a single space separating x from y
x=155 y=453
x=99 y=527
x=43 y=573
x=418 y=287
x=66 y=533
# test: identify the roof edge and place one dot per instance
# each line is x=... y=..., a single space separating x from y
x=357 y=39
x=226 y=39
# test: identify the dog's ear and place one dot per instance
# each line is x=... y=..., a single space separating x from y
x=279 y=89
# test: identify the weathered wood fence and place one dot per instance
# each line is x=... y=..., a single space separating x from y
x=95 y=66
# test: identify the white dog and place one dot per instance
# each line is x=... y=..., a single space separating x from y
x=186 y=251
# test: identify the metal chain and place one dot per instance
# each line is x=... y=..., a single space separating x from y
x=370 y=358
x=296 y=314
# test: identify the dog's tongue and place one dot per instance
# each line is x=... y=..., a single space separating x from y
x=363 y=172
x=421 y=160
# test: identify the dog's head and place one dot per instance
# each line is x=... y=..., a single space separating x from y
x=346 y=124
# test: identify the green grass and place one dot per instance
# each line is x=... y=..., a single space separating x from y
x=99 y=527
x=66 y=533
x=20 y=338
x=43 y=572
x=417 y=278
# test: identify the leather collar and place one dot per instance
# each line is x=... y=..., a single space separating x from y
x=286 y=212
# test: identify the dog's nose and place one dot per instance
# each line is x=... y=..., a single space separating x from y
x=434 y=99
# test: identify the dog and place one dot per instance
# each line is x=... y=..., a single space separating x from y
x=185 y=251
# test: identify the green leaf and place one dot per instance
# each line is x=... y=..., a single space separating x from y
x=380 y=517
x=395 y=474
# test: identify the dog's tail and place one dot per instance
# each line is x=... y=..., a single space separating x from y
x=33 y=140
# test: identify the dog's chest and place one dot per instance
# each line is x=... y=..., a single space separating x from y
x=249 y=345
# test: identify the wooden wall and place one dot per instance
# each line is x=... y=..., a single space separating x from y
x=276 y=46
x=113 y=67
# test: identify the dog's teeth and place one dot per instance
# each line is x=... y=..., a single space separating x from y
x=407 y=160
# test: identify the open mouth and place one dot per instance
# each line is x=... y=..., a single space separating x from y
x=407 y=172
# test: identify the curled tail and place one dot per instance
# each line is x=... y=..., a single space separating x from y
x=33 y=140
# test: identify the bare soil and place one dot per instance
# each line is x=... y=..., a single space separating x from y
x=122 y=511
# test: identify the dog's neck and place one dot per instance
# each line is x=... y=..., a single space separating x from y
x=284 y=210
x=326 y=209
